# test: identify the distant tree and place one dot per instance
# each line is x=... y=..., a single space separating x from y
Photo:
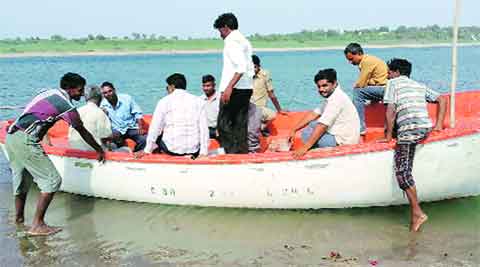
x=153 y=36
x=383 y=29
x=57 y=37
x=100 y=37
x=136 y=36
x=91 y=37
x=401 y=29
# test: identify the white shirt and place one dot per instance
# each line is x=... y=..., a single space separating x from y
x=341 y=117
x=237 y=58
x=212 y=107
x=182 y=118
x=95 y=121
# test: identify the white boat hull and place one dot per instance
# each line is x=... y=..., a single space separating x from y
x=442 y=170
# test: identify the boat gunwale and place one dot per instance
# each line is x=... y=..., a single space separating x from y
x=470 y=128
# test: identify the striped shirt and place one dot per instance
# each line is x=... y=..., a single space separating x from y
x=410 y=99
x=49 y=104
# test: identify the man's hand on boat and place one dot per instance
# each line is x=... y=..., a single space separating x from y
x=438 y=127
x=139 y=154
x=101 y=156
x=300 y=152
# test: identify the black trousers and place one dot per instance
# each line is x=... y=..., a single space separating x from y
x=232 y=122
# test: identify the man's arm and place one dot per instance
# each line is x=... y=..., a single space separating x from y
x=204 y=134
x=365 y=74
x=141 y=129
x=389 y=122
x=234 y=52
x=317 y=133
x=229 y=89
x=88 y=138
x=275 y=102
x=156 y=127
x=138 y=114
x=441 y=111
x=302 y=123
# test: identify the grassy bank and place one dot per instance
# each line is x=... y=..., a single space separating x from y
x=382 y=36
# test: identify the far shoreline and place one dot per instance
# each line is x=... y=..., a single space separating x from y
x=215 y=51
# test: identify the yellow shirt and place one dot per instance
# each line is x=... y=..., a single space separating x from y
x=373 y=72
x=262 y=84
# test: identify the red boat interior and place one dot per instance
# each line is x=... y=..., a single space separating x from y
x=467 y=122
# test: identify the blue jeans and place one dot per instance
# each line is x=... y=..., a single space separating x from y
x=361 y=95
x=140 y=140
x=326 y=140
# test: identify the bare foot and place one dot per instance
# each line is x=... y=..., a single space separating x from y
x=43 y=230
x=417 y=222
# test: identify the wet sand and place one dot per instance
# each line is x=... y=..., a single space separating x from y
x=100 y=232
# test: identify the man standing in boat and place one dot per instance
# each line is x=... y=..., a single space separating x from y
x=407 y=108
x=236 y=85
x=263 y=88
x=370 y=85
x=335 y=123
x=125 y=115
x=27 y=157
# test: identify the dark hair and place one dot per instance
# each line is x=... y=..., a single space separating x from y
x=256 y=60
x=400 y=65
x=354 y=49
x=108 y=84
x=226 y=19
x=208 y=78
x=71 y=80
x=178 y=80
x=326 y=74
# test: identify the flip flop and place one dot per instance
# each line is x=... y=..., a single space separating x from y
x=420 y=222
x=53 y=230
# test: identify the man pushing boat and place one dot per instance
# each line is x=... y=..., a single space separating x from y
x=26 y=155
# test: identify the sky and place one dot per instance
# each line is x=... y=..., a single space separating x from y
x=189 y=18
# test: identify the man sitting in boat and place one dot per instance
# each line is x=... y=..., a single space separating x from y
x=407 y=109
x=370 y=84
x=212 y=103
x=95 y=121
x=179 y=124
x=334 y=123
x=27 y=157
x=125 y=116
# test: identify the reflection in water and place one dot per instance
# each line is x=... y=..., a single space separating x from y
x=110 y=233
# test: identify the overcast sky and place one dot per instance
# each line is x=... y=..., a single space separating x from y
x=24 y=18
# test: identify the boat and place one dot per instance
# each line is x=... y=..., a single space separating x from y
x=447 y=165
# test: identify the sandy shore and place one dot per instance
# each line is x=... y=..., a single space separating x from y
x=211 y=51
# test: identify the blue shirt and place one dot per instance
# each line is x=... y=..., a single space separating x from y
x=125 y=115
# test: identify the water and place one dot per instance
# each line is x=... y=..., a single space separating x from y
x=99 y=232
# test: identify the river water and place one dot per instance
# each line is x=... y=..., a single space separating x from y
x=100 y=232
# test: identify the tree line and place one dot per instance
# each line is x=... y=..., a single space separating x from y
x=427 y=33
